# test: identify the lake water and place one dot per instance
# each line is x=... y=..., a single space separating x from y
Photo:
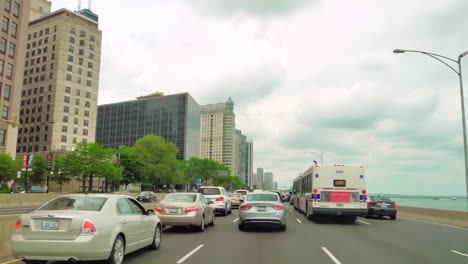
x=443 y=203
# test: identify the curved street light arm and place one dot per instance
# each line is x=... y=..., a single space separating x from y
x=446 y=64
x=433 y=54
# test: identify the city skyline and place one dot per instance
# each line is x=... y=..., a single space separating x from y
x=274 y=75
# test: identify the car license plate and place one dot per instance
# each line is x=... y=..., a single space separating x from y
x=339 y=205
x=384 y=205
x=261 y=209
x=173 y=211
x=50 y=225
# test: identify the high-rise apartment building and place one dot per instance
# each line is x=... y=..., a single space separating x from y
x=174 y=117
x=61 y=80
x=241 y=150
x=259 y=180
x=268 y=181
x=249 y=158
x=217 y=127
x=13 y=36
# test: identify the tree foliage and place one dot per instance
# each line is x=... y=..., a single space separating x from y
x=229 y=182
x=8 y=168
x=132 y=165
x=204 y=169
x=39 y=170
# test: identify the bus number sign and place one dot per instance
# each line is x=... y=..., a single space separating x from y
x=339 y=171
x=339 y=183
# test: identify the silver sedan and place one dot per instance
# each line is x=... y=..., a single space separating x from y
x=262 y=209
x=86 y=227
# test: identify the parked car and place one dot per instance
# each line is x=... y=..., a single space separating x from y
x=220 y=198
x=38 y=189
x=381 y=206
x=262 y=209
x=236 y=199
x=147 y=196
x=186 y=209
x=86 y=227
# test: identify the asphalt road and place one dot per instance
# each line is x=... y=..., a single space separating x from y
x=304 y=241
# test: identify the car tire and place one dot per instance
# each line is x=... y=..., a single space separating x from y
x=156 y=238
x=201 y=227
x=225 y=212
x=241 y=227
x=213 y=219
x=230 y=209
x=35 y=261
x=118 y=251
x=393 y=217
x=283 y=228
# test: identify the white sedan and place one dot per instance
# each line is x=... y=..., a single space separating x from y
x=86 y=227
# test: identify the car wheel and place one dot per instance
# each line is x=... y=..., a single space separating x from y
x=225 y=213
x=35 y=261
x=201 y=227
x=283 y=228
x=213 y=220
x=157 y=238
x=241 y=227
x=118 y=251
x=393 y=217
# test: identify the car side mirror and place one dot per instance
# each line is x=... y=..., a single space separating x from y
x=150 y=211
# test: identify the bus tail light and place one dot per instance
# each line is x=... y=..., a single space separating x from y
x=370 y=204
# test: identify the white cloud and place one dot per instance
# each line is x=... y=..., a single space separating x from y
x=305 y=75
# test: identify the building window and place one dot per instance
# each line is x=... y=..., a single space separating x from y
x=5 y=110
x=69 y=77
x=78 y=80
x=3 y=43
x=74 y=140
x=66 y=109
x=91 y=46
x=77 y=101
x=80 y=60
x=66 y=99
x=70 y=58
x=82 y=42
x=69 y=68
x=91 y=56
x=88 y=95
x=88 y=83
x=65 y=119
x=82 y=34
x=12 y=50
x=1 y=67
x=86 y=113
x=72 y=39
x=75 y=130
x=78 y=92
x=90 y=74
x=64 y=139
x=71 y=49
x=2 y=137
x=9 y=71
x=85 y=122
x=67 y=89
x=5 y=23
x=81 y=52
x=87 y=104
x=14 y=29
x=6 y=92
x=47 y=31
x=77 y=111
x=64 y=129
x=16 y=8
x=75 y=121
x=80 y=71
x=92 y=38
x=85 y=132
x=84 y=140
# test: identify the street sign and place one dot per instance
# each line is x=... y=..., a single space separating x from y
x=27 y=162
x=198 y=182
x=49 y=159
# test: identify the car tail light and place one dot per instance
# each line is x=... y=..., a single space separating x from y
x=158 y=209
x=394 y=205
x=88 y=228
x=191 y=209
x=220 y=199
x=364 y=191
x=370 y=204
x=278 y=207
x=19 y=226
x=244 y=207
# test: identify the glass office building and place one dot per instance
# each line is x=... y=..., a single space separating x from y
x=175 y=117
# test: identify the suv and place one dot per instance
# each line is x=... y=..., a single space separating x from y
x=219 y=196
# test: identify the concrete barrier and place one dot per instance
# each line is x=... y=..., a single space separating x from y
x=7 y=227
x=449 y=217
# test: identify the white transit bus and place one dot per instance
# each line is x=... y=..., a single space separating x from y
x=338 y=190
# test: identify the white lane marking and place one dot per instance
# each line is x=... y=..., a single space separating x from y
x=459 y=253
x=189 y=254
x=428 y=222
x=299 y=220
x=235 y=220
x=331 y=255
x=364 y=222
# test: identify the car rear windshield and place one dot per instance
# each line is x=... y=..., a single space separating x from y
x=242 y=192
x=75 y=203
x=145 y=193
x=380 y=198
x=262 y=197
x=180 y=197
x=209 y=191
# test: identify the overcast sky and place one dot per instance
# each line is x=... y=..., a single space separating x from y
x=314 y=75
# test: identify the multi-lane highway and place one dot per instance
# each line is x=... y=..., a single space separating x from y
x=304 y=241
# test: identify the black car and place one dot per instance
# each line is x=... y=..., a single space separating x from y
x=381 y=206
x=146 y=196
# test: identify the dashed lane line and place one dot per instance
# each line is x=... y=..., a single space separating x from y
x=459 y=253
x=10 y=261
x=235 y=220
x=189 y=254
x=364 y=222
x=331 y=255
x=428 y=222
x=299 y=220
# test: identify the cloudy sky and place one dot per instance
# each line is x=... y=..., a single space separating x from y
x=316 y=76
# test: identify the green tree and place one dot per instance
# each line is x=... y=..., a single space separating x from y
x=87 y=161
x=38 y=169
x=132 y=165
x=204 y=169
x=8 y=168
x=60 y=176
x=159 y=157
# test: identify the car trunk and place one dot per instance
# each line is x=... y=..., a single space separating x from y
x=53 y=225
x=384 y=204
x=176 y=208
x=261 y=209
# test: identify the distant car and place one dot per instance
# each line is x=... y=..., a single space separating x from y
x=242 y=192
x=381 y=206
x=262 y=209
x=186 y=209
x=220 y=198
x=86 y=227
x=147 y=196
x=236 y=199
x=38 y=189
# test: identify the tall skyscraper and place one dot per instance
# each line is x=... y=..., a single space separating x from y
x=268 y=181
x=13 y=36
x=242 y=155
x=259 y=178
x=249 y=158
x=218 y=133
x=174 y=117
x=61 y=81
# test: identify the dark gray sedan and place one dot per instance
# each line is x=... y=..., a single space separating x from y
x=381 y=206
x=146 y=196
x=262 y=209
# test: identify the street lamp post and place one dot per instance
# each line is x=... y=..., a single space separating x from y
x=460 y=76
x=318 y=155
